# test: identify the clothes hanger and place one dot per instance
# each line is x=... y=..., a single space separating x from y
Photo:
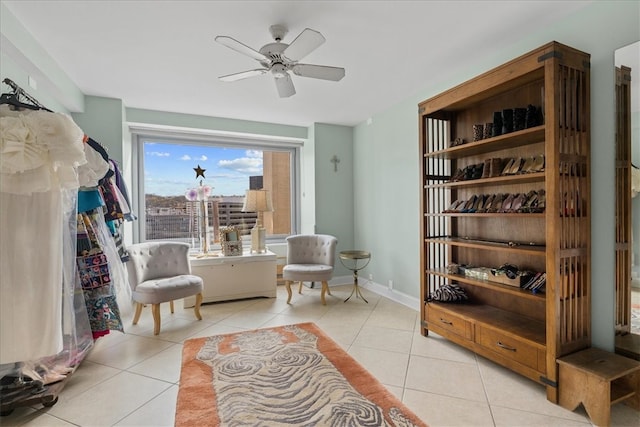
x=15 y=98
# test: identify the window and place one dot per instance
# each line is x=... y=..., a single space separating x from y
x=170 y=166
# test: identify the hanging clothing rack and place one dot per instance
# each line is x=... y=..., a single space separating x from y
x=20 y=98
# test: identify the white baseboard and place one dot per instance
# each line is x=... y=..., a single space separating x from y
x=393 y=295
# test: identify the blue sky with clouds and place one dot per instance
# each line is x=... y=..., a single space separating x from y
x=169 y=168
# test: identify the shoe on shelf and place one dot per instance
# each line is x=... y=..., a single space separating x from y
x=496 y=167
x=508 y=166
x=496 y=203
x=538 y=164
x=469 y=205
x=488 y=200
x=528 y=165
x=486 y=169
x=531 y=199
x=517 y=164
x=506 y=204
x=517 y=203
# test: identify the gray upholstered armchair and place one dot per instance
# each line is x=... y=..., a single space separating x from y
x=160 y=272
x=310 y=258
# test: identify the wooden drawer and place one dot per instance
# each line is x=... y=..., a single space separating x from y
x=508 y=346
x=449 y=321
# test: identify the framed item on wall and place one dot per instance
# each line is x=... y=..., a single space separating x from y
x=230 y=241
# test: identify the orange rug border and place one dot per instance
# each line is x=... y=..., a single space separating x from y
x=196 y=403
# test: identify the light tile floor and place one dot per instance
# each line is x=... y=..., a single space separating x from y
x=132 y=379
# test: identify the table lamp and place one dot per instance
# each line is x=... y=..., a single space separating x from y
x=258 y=201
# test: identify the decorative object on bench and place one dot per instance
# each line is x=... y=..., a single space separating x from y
x=258 y=201
x=159 y=271
x=230 y=241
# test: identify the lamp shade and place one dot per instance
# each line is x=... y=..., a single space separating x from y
x=257 y=201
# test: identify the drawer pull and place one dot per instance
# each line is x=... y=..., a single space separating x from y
x=446 y=322
x=506 y=347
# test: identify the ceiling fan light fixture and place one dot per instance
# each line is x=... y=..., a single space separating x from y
x=279 y=71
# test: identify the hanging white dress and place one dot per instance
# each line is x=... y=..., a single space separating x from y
x=39 y=153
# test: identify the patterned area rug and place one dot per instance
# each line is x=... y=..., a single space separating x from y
x=289 y=376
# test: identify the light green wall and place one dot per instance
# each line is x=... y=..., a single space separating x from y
x=22 y=57
x=334 y=189
x=389 y=146
x=136 y=115
x=385 y=192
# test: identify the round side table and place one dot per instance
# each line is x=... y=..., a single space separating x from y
x=350 y=260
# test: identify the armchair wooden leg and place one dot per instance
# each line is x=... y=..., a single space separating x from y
x=287 y=284
x=136 y=316
x=155 y=310
x=325 y=289
x=196 y=309
x=171 y=306
x=300 y=287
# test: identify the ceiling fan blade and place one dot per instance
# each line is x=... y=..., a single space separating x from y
x=285 y=86
x=243 y=75
x=306 y=42
x=319 y=72
x=234 y=44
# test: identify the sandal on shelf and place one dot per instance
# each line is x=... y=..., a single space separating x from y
x=457 y=176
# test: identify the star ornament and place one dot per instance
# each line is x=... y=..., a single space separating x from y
x=199 y=171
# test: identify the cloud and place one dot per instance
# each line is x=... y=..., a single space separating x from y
x=254 y=153
x=202 y=158
x=158 y=153
x=247 y=165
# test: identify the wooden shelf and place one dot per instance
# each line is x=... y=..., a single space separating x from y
x=521 y=293
x=509 y=140
x=498 y=180
x=555 y=78
x=490 y=246
x=486 y=214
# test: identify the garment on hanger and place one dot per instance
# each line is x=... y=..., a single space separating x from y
x=39 y=151
x=97 y=268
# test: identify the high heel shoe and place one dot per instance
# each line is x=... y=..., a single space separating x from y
x=517 y=203
x=496 y=204
x=469 y=205
x=486 y=204
x=506 y=204
x=541 y=202
x=479 y=203
x=517 y=164
x=454 y=206
x=528 y=165
x=531 y=199
x=538 y=164
x=508 y=167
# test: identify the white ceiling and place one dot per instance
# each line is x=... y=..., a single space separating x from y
x=161 y=55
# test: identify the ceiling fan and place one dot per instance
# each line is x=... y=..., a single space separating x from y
x=280 y=58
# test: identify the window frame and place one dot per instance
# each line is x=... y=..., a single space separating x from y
x=165 y=134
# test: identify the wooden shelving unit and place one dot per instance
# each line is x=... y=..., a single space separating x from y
x=521 y=330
